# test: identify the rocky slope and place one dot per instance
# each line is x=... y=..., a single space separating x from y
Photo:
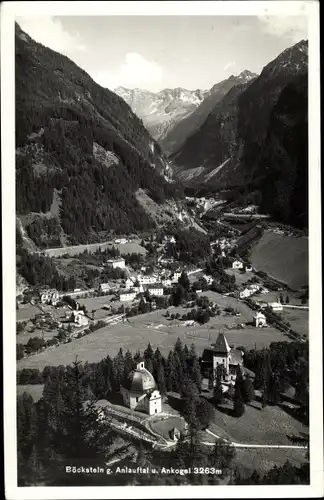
x=190 y=124
x=161 y=111
x=256 y=138
x=81 y=153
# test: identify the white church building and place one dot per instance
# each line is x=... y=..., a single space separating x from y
x=139 y=390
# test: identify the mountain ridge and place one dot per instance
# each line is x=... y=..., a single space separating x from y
x=231 y=148
x=83 y=142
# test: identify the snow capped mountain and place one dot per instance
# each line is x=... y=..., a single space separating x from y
x=162 y=110
x=189 y=124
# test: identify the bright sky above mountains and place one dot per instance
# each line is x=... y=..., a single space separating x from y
x=157 y=52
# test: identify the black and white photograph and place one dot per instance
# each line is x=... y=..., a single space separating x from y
x=161 y=257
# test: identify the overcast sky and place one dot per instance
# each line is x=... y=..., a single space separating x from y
x=157 y=52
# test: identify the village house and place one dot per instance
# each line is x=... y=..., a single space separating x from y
x=156 y=290
x=247 y=292
x=248 y=268
x=127 y=296
x=221 y=354
x=139 y=390
x=166 y=282
x=146 y=279
x=79 y=318
x=117 y=262
x=169 y=239
x=51 y=296
x=237 y=264
x=175 y=277
x=259 y=320
x=208 y=279
x=129 y=283
x=104 y=287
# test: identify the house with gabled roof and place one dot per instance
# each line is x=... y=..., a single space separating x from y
x=220 y=355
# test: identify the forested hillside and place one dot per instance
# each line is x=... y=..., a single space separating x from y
x=83 y=143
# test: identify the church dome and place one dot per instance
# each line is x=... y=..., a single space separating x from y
x=141 y=381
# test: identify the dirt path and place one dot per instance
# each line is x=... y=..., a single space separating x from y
x=243 y=445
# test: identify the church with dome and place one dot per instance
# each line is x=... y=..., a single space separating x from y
x=139 y=390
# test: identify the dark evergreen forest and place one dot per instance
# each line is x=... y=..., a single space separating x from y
x=60 y=113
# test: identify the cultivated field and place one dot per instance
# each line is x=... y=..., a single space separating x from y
x=136 y=332
x=93 y=247
x=283 y=257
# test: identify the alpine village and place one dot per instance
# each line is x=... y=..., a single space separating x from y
x=161 y=277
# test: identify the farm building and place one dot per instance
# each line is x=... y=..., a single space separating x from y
x=118 y=262
x=259 y=320
x=237 y=264
x=221 y=354
x=139 y=390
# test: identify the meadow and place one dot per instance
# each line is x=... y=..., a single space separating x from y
x=285 y=258
x=136 y=332
x=133 y=247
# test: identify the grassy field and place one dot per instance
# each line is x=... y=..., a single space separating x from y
x=155 y=328
x=241 y=278
x=298 y=318
x=26 y=312
x=263 y=459
x=283 y=257
x=93 y=247
x=272 y=425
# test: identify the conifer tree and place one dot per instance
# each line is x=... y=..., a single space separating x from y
x=248 y=390
x=196 y=373
x=239 y=407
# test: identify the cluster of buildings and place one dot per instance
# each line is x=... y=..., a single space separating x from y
x=121 y=241
x=153 y=283
x=250 y=290
x=238 y=264
x=50 y=296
